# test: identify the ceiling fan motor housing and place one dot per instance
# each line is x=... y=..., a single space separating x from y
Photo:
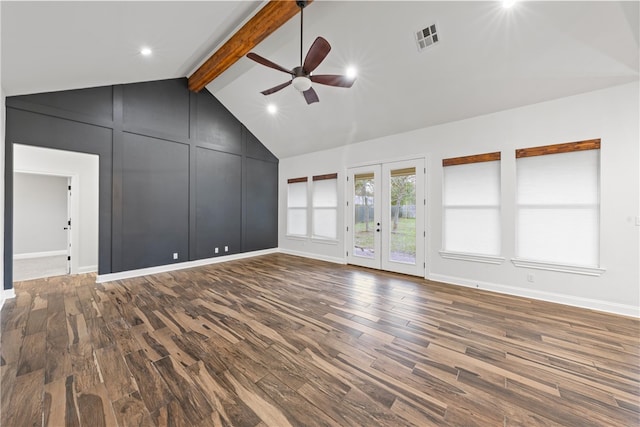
x=302 y=83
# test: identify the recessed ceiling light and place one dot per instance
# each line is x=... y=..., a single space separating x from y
x=352 y=72
x=272 y=109
x=508 y=3
x=145 y=51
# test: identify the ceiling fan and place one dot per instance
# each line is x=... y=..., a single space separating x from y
x=302 y=77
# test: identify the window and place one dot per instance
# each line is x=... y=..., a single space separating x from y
x=558 y=203
x=297 y=206
x=471 y=201
x=325 y=206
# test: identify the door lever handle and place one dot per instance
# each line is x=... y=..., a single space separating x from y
x=65 y=228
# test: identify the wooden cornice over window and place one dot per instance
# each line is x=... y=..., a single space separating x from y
x=268 y=19
x=326 y=176
x=295 y=180
x=567 y=147
x=477 y=158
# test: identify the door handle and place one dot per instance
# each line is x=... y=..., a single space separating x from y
x=65 y=228
x=378 y=229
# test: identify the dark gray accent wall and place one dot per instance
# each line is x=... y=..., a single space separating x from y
x=178 y=172
x=218 y=202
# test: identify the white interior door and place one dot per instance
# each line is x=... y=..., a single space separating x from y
x=386 y=217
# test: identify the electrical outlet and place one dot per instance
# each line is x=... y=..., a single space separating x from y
x=226 y=248
x=215 y=250
x=175 y=255
x=530 y=277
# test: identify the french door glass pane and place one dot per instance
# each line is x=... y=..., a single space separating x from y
x=402 y=220
x=364 y=225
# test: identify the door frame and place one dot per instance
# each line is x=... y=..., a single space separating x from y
x=348 y=240
x=73 y=212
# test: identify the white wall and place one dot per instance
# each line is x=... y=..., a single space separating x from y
x=84 y=169
x=39 y=213
x=4 y=294
x=611 y=114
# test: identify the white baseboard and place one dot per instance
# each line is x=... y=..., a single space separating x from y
x=5 y=295
x=335 y=260
x=605 y=306
x=180 y=266
x=39 y=254
x=88 y=269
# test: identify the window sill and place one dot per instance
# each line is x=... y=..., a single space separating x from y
x=297 y=237
x=562 y=268
x=462 y=256
x=324 y=241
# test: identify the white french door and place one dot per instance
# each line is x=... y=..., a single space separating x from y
x=386 y=216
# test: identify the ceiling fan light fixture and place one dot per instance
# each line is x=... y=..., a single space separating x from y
x=302 y=83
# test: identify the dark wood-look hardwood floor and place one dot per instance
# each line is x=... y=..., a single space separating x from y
x=284 y=341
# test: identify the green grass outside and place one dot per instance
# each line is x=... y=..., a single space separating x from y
x=403 y=240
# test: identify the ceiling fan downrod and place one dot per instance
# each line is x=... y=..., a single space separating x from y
x=301 y=4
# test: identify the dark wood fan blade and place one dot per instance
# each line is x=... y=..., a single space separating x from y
x=264 y=61
x=310 y=96
x=317 y=52
x=333 y=80
x=276 y=88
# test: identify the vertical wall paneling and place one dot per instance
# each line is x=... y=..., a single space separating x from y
x=155 y=200
x=116 y=218
x=159 y=108
x=178 y=172
x=219 y=202
x=261 y=199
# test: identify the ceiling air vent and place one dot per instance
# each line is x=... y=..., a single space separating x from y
x=427 y=37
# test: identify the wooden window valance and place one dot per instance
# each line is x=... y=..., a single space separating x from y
x=567 y=147
x=294 y=180
x=477 y=158
x=326 y=176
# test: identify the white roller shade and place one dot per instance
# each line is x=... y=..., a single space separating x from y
x=558 y=206
x=472 y=208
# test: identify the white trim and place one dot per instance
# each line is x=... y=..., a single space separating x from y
x=391 y=160
x=487 y=259
x=325 y=241
x=88 y=269
x=40 y=254
x=334 y=260
x=299 y=237
x=562 y=268
x=5 y=295
x=593 y=304
x=179 y=266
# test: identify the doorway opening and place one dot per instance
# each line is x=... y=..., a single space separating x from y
x=42 y=219
x=55 y=212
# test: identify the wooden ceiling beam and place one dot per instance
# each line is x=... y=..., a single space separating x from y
x=268 y=19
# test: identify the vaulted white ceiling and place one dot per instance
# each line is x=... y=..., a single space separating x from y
x=488 y=58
